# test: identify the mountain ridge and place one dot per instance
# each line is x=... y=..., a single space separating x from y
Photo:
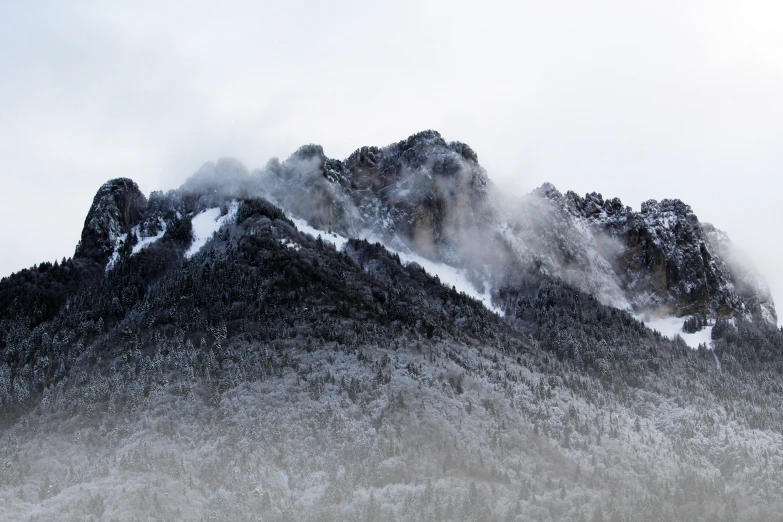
x=224 y=358
x=431 y=197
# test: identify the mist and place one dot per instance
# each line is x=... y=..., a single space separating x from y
x=273 y=376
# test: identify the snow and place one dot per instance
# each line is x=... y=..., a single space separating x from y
x=451 y=276
x=337 y=240
x=118 y=242
x=205 y=224
x=290 y=244
x=448 y=275
x=767 y=315
x=671 y=326
x=147 y=241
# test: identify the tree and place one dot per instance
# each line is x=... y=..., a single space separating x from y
x=567 y=436
x=95 y=505
x=180 y=231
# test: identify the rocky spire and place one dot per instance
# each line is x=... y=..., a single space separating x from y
x=117 y=205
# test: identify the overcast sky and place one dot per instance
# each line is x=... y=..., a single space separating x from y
x=637 y=100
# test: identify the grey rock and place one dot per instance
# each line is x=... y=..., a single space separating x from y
x=117 y=206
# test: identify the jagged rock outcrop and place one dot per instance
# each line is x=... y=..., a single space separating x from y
x=749 y=285
x=117 y=205
x=432 y=197
x=543 y=235
x=422 y=192
x=667 y=259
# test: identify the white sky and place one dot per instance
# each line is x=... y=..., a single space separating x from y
x=631 y=99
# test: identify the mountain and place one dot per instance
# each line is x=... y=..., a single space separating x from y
x=388 y=338
x=433 y=198
x=118 y=204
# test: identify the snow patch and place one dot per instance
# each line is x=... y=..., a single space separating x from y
x=290 y=244
x=118 y=242
x=206 y=223
x=335 y=239
x=452 y=276
x=448 y=275
x=147 y=241
x=671 y=326
x=767 y=315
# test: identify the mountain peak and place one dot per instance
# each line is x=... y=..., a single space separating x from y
x=116 y=206
x=666 y=259
x=308 y=152
x=371 y=324
x=550 y=192
x=431 y=196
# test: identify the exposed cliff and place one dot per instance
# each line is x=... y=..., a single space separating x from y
x=433 y=198
x=117 y=206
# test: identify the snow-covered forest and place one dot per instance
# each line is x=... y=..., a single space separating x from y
x=206 y=356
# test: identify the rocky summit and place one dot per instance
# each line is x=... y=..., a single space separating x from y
x=432 y=197
x=117 y=206
x=384 y=338
x=667 y=258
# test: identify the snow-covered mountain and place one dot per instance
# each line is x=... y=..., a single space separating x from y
x=427 y=197
x=388 y=338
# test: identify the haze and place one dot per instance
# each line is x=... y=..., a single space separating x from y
x=650 y=100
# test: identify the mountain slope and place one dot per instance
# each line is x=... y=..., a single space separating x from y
x=263 y=373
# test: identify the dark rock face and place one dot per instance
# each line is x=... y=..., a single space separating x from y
x=666 y=259
x=116 y=207
x=430 y=196
x=749 y=285
x=421 y=192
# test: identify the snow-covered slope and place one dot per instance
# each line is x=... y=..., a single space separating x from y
x=672 y=326
x=448 y=275
x=206 y=223
x=148 y=240
x=337 y=240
